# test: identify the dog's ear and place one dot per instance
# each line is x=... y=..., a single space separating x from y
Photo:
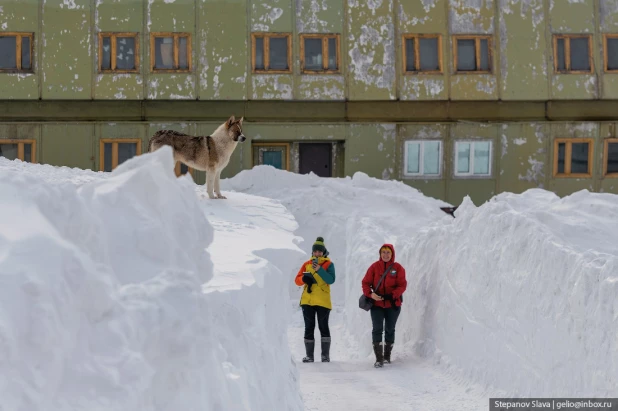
x=240 y=121
x=230 y=121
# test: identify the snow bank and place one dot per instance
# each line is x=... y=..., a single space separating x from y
x=355 y=215
x=520 y=294
x=101 y=301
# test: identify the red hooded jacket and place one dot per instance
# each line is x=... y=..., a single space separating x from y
x=394 y=282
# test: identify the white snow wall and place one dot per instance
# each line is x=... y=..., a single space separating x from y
x=101 y=305
x=521 y=294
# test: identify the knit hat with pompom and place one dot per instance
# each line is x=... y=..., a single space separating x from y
x=319 y=246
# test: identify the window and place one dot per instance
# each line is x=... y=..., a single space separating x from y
x=610 y=155
x=472 y=54
x=114 y=152
x=182 y=169
x=170 y=52
x=423 y=158
x=319 y=53
x=610 y=54
x=473 y=158
x=422 y=53
x=16 y=52
x=572 y=53
x=271 y=52
x=118 y=53
x=573 y=157
x=272 y=154
x=23 y=150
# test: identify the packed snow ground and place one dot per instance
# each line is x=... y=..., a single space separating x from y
x=133 y=290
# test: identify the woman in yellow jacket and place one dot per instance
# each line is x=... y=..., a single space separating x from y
x=316 y=275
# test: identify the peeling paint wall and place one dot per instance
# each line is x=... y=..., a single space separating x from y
x=67 y=52
x=371 y=148
x=371 y=50
x=524 y=150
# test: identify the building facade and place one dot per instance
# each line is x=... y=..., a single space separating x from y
x=453 y=97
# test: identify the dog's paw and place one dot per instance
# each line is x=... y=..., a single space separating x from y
x=221 y=196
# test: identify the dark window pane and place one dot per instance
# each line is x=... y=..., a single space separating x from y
x=8 y=151
x=561 y=155
x=484 y=55
x=126 y=151
x=429 y=54
x=580 y=59
x=332 y=54
x=612 y=54
x=26 y=64
x=125 y=53
x=259 y=53
x=612 y=158
x=8 y=52
x=579 y=158
x=313 y=54
x=106 y=58
x=183 y=169
x=560 y=55
x=107 y=157
x=466 y=55
x=410 y=66
x=28 y=152
x=278 y=52
x=183 y=53
x=273 y=158
x=164 y=52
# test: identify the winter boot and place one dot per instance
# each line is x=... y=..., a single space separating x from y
x=377 y=349
x=325 y=349
x=309 y=346
x=388 y=348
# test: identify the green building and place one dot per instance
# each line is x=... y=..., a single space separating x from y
x=453 y=97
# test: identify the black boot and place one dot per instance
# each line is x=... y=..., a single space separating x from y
x=309 y=346
x=377 y=349
x=325 y=349
x=388 y=348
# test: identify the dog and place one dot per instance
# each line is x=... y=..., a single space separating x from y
x=207 y=153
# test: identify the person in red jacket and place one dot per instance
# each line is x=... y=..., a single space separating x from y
x=387 y=300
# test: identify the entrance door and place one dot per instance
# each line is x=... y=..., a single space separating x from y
x=315 y=157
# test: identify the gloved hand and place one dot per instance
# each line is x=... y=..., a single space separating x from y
x=389 y=297
x=308 y=279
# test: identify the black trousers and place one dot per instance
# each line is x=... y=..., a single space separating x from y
x=309 y=314
x=384 y=319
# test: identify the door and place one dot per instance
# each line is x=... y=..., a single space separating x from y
x=315 y=157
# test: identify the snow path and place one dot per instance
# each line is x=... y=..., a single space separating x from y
x=409 y=383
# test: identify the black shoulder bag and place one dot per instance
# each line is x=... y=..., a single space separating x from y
x=365 y=302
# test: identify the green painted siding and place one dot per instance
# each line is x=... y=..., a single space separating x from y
x=70 y=145
x=370 y=148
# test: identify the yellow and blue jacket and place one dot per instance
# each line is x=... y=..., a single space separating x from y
x=324 y=277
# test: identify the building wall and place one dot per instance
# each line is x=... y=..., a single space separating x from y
x=371 y=33
x=522 y=152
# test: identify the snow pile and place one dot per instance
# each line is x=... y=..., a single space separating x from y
x=520 y=294
x=355 y=216
x=101 y=301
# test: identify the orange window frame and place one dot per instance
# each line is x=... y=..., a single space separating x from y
x=20 y=147
x=114 y=142
x=567 y=157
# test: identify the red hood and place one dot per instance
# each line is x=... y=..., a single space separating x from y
x=392 y=250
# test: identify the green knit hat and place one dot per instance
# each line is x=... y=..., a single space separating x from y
x=319 y=246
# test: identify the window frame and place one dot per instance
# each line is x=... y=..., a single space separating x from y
x=267 y=36
x=18 y=51
x=177 y=169
x=115 y=142
x=605 y=56
x=606 y=144
x=324 y=37
x=417 y=53
x=176 y=36
x=471 y=158
x=421 y=174
x=567 y=53
x=477 y=50
x=262 y=144
x=20 y=147
x=567 y=157
x=113 y=35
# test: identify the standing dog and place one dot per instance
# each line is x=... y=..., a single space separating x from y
x=207 y=153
